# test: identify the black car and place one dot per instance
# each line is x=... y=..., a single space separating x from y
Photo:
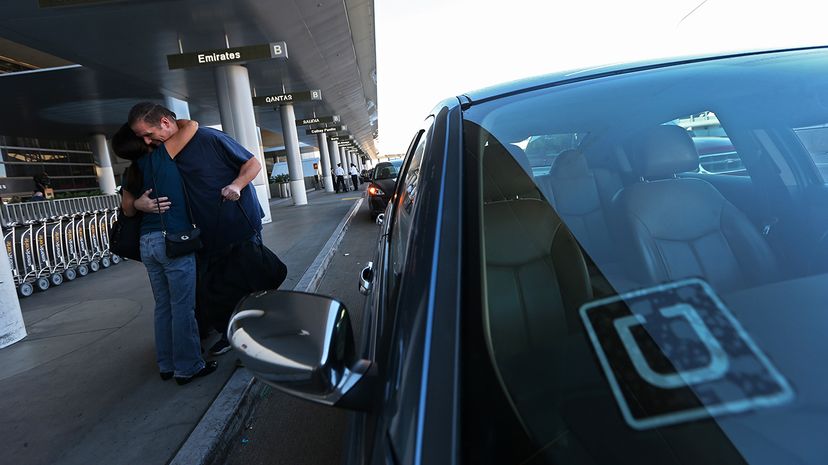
x=622 y=307
x=383 y=180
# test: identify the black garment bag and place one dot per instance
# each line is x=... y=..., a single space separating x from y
x=227 y=275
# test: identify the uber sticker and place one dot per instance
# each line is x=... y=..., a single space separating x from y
x=674 y=353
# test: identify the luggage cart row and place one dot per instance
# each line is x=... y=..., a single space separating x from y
x=55 y=240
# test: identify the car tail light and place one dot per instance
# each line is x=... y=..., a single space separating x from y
x=374 y=190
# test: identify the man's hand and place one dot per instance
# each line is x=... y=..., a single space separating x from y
x=231 y=192
x=148 y=205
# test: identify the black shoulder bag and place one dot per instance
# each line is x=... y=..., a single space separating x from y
x=125 y=234
x=178 y=243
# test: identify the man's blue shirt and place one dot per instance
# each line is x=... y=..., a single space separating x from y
x=209 y=162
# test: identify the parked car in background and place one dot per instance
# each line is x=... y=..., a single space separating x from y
x=382 y=185
x=621 y=307
x=365 y=175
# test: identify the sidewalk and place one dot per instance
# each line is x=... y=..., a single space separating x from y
x=284 y=430
x=83 y=387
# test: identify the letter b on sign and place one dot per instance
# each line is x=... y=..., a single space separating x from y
x=279 y=50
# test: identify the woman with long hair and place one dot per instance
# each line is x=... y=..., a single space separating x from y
x=153 y=174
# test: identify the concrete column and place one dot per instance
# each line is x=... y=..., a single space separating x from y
x=12 y=328
x=103 y=164
x=294 y=156
x=180 y=107
x=333 y=153
x=325 y=161
x=264 y=166
x=239 y=121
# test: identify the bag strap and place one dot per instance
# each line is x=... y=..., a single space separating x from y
x=155 y=189
x=244 y=213
x=187 y=202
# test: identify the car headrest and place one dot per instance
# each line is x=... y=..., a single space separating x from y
x=664 y=151
x=530 y=219
x=508 y=175
x=520 y=156
x=569 y=164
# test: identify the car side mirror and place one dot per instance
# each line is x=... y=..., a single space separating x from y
x=300 y=343
x=381 y=218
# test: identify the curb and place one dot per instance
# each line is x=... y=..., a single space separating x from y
x=234 y=405
x=310 y=280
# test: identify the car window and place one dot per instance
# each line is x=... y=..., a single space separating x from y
x=815 y=141
x=387 y=170
x=717 y=155
x=633 y=315
x=541 y=150
x=406 y=201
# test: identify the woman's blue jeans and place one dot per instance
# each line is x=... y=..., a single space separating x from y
x=173 y=280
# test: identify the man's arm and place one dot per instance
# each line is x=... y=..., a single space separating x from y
x=249 y=170
x=176 y=143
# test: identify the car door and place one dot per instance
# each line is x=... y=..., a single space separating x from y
x=402 y=308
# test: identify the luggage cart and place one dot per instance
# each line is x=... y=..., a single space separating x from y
x=93 y=238
x=55 y=240
x=10 y=240
x=113 y=216
x=22 y=232
x=54 y=237
x=43 y=263
x=102 y=206
x=81 y=241
x=70 y=244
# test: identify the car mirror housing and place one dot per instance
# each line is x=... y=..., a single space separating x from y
x=300 y=343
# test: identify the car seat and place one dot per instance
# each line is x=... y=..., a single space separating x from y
x=678 y=228
x=536 y=279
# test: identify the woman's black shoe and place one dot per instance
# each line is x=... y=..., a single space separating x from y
x=165 y=375
x=209 y=367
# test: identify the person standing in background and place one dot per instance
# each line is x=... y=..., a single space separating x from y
x=354 y=176
x=340 y=178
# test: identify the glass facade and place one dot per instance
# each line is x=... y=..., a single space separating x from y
x=69 y=170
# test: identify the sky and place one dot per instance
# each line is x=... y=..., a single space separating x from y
x=430 y=50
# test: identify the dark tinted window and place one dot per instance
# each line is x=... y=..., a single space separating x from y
x=405 y=200
x=387 y=170
x=636 y=313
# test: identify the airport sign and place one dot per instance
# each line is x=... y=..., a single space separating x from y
x=227 y=56
x=325 y=130
x=317 y=120
x=319 y=131
x=278 y=99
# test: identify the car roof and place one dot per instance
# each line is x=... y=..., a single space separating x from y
x=564 y=77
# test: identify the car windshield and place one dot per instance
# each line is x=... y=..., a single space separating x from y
x=656 y=248
x=387 y=170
